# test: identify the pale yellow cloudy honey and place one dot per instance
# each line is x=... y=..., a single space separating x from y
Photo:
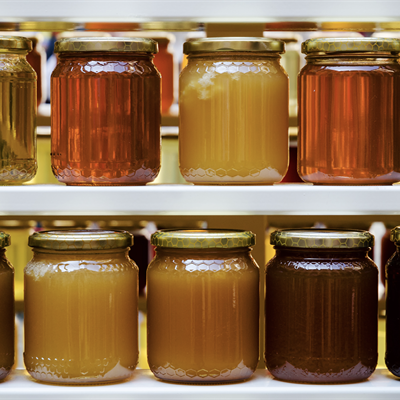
x=202 y=314
x=233 y=113
x=81 y=316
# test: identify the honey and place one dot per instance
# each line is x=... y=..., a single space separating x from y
x=18 y=112
x=6 y=309
x=81 y=307
x=233 y=126
x=105 y=100
x=348 y=119
x=202 y=307
x=321 y=303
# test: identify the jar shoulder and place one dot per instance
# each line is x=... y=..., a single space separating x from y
x=351 y=68
x=16 y=67
x=5 y=264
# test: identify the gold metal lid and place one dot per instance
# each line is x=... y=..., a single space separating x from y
x=5 y=239
x=115 y=44
x=15 y=43
x=81 y=239
x=228 y=44
x=322 y=238
x=203 y=238
x=351 y=45
x=395 y=234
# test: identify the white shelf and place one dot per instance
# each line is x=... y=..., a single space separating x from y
x=381 y=386
x=296 y=199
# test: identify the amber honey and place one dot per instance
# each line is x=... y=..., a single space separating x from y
x=81 y=315
x=202 y=313
x=105 y=113
x=348 y=120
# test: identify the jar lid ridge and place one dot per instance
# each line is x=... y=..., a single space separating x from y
x=322 y=238
x=81 y=239
x=203 y=238
x=5 y=239
x=17 y=43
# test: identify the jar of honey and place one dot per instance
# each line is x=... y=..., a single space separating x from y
x=18 y=112
x=81 y=307
x=202 y=306
x=234 y=112
x=349 y=93
x=321 y=306
x=392 y=356
x=6 y=309
x=105 y=111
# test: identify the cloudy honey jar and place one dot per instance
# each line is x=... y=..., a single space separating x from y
x=202 y=306
x=81 y=309
x=233 y=112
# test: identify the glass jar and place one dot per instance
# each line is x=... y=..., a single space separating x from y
x=233 y=112
x=321 y=306
x=6 y=309
x=202 y=306
x=18 y=112
x=392 y=356
x=81 y=308
x=105 y=111
x=349 y=93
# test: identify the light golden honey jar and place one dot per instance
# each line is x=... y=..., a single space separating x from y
x=81 y=311
x=17 y=112
x=6 y=309
x=234 y=111
x=202 y=306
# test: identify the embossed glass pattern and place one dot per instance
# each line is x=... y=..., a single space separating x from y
x=18 y=112
x=321 y=321
x=6 y=309
x=81 y=315
x=202 y=314
x=233 y=118
x=349 y=94
x=105 y=117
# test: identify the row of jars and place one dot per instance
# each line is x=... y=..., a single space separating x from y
x=81 y=310
x=233 y=129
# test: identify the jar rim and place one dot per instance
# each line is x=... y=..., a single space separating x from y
x=203 y=238
x=311 y=238
x=5 y=239
x=81 y=239
x=234 y=44
x=17 y=43
x=351 y=45
x=110 y=44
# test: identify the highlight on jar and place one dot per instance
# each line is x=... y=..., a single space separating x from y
x=348 y=123
x=203 y=306
x=233 y=112
x=105 y=111
x=17 y=112
x=321 y=306
x=81 y=307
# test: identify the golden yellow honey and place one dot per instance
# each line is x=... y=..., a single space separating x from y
x=81 y=315
x=233 y=125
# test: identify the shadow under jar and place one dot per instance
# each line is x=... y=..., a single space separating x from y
x=17 y=112
x=202 y=306
x=321 y=307
x=81 y=307
x=105 y=111
x=233 y=112
x=392 y=356
x=349 y=124
x=7 y=320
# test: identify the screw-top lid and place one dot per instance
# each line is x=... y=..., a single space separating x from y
x=114 y=44
x=322 y=238
x=15 y=43
x=395 y=234
x=81 y=239
x=229 y=44
x=5 y=239
x=203 y=238
x=350 y=45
